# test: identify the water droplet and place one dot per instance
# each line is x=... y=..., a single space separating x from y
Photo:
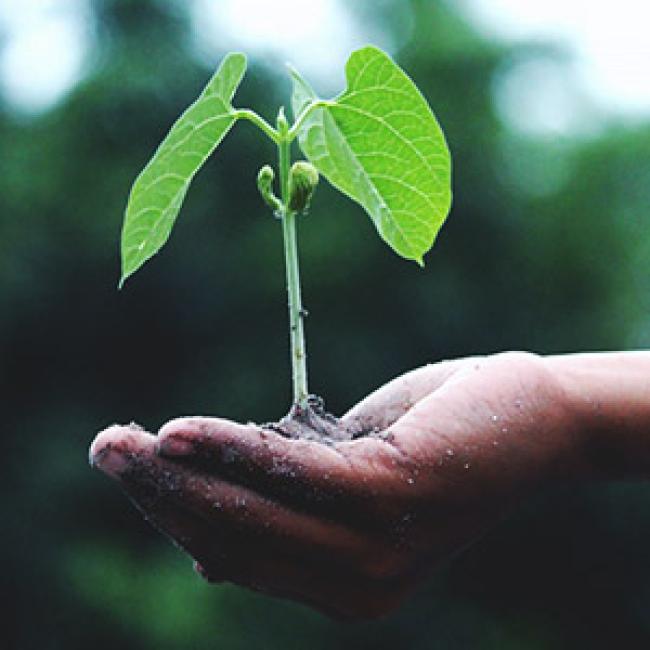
x=450 y=452
x=466 y=465
x=410 y=480
x=495 y=418
x=495 y=443
x=517 y=403
x=504 y=429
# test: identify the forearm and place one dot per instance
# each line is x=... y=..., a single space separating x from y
x=609 y=395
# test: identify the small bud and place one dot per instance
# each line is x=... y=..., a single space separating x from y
x=281 y=121
x=265 y=178
x=303 y=179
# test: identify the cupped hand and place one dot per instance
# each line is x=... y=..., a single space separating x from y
x=351 y=528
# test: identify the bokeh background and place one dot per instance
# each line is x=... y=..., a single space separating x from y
x=547 y=111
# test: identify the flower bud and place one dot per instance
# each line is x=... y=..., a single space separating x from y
x=265 y=178
x=303 y=179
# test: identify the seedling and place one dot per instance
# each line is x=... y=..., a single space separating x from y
x=378 y=142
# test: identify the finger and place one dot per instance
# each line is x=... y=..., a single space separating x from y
x=117 y=451
x=390 y=402
x=342 y=480
x=248 y=561
x=113 y=448
x=182 y=506
x=340 y=594
x=343 y=592
x=153 y=481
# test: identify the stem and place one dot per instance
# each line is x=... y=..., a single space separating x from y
x=296 y=312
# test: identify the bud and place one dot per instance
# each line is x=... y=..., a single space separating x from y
x=303 y=179
x=265 y=178
x=281 y=122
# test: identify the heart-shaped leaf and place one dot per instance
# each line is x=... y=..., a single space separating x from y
x=159 y=190
x=379 y=143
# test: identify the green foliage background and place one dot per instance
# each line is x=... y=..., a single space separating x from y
x=546 y=250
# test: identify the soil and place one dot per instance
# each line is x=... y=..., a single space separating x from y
x=316 y=424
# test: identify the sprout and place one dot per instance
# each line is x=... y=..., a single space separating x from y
x=265 y=178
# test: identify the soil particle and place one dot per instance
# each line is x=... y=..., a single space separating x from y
x=316 y=424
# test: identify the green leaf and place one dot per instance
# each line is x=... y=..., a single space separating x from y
x=379 y=143
x=159 y=190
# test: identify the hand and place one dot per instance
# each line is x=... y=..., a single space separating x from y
x=353 y=527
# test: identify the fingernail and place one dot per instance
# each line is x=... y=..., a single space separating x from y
x=110 y=461
x=176 y=447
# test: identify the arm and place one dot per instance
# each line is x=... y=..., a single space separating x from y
x=609 y=394
x=352 y=528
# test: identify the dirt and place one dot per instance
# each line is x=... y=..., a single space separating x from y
x=316 y=424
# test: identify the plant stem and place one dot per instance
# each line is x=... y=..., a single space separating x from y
x=296 y=311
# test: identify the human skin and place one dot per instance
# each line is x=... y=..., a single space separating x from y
x=352 y=528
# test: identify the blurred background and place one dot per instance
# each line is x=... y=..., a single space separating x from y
x=546 y=106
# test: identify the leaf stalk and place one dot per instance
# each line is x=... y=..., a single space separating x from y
x=260 y=122
x=306 y=112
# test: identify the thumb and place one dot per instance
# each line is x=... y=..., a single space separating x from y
x=390 y=402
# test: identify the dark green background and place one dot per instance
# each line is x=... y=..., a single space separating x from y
x=545 y=250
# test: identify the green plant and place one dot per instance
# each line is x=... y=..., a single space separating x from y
x=378 y=142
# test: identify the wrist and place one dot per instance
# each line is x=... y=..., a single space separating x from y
x=607 y=399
